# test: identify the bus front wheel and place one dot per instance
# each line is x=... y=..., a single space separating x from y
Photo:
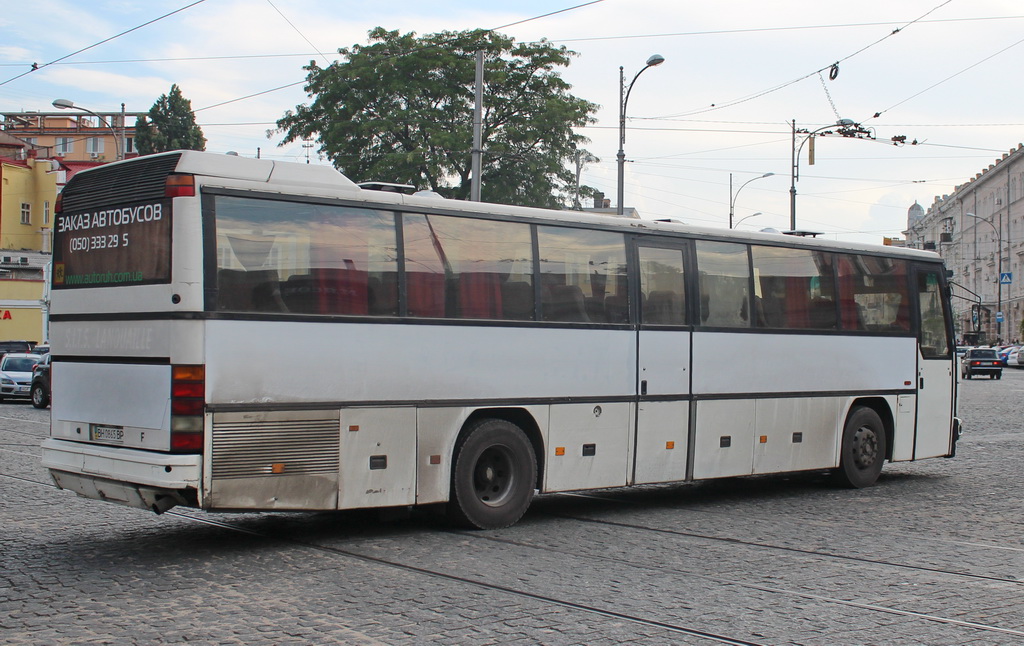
x=863 y=449
x=494 y=473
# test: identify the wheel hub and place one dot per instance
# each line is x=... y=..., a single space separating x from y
x=865 y=447
x=492 y=479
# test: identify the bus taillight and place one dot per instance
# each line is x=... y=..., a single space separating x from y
x=180 y=186
x=188 y=402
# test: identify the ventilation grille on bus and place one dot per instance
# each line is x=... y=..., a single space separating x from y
x=139 y=180
x=254 y=449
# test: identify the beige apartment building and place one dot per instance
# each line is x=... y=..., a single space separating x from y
x=74 y=135
x=979 y=230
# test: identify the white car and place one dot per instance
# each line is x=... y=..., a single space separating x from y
x=1016 y=358
x=16 y=374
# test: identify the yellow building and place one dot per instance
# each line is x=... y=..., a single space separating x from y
x=28 y=192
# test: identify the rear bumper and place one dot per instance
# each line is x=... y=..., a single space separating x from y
x=142 y=479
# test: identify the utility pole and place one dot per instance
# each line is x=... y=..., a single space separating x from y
x=478 y=109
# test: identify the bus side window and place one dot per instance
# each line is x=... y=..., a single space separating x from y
x=662 y=286
x=873 y=293
x=794 y=288
x=932 y=326
x=468 y=268
x=724 y=284
x=582 y=275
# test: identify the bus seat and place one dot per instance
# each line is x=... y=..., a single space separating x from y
x=426 y=294
x=822 y=314
x=249 y=291
x=616 y=309
x=566 y=304
x=663 y=307
x=298 y=294
x=517 y=300
x=480 y=295
x=341 y=290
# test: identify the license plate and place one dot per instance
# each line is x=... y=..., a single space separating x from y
x=106 y=433
x=23 y=389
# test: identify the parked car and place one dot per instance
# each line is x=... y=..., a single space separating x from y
x=981 y=361
x=41 y=382
x=42 y=348
x=15 y=346
x=1012 y=357
x=1004 y=353
x=16 y=374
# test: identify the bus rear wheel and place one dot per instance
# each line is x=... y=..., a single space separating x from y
x=863 y=449
x=493 y=477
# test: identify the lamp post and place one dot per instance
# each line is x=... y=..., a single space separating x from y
x=733 y=198
x=999 y=271
x=752 y=215
x=67 y=104
x=654 y=60
x=846 y=128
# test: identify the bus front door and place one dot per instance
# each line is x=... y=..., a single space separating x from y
x=936 y=378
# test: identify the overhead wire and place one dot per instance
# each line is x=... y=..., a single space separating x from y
x=292 y=25
x=37 y=66
x=749 y=30
x=781 y=86
x=424 y=48
x=948 y=78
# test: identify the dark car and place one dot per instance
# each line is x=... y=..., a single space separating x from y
x=15 y=346
x=981 y=361
x=41 y=382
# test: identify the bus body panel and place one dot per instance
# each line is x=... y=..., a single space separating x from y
x=272 y=460
x=662 y=441
x=258 y=362
x=177 y=341
x=801 y=363
x=588 y=446
x=906 y=420
x=796 y=434
x=111 y=403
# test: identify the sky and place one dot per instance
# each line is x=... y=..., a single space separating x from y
x=719 y=111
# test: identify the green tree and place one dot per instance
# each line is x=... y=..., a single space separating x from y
x=401 y=109
x=171 y=126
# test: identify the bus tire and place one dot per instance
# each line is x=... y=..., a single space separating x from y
x=863 y=449
x=493 y=477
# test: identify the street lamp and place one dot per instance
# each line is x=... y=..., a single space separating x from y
x=67 y=104
x=999 y=271
x=654 y=60
x=752 y=215
x=846 y=128
x=732 y=198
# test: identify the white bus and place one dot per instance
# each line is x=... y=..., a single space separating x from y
x=242 y=334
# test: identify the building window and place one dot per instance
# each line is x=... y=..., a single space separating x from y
x=26 y=213
x=46 y=212
x=94 y=145
x=65 y=145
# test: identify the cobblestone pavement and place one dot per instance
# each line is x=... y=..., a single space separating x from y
x=933 y=554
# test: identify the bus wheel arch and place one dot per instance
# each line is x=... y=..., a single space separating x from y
x=495 y=469
x=865 y=443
